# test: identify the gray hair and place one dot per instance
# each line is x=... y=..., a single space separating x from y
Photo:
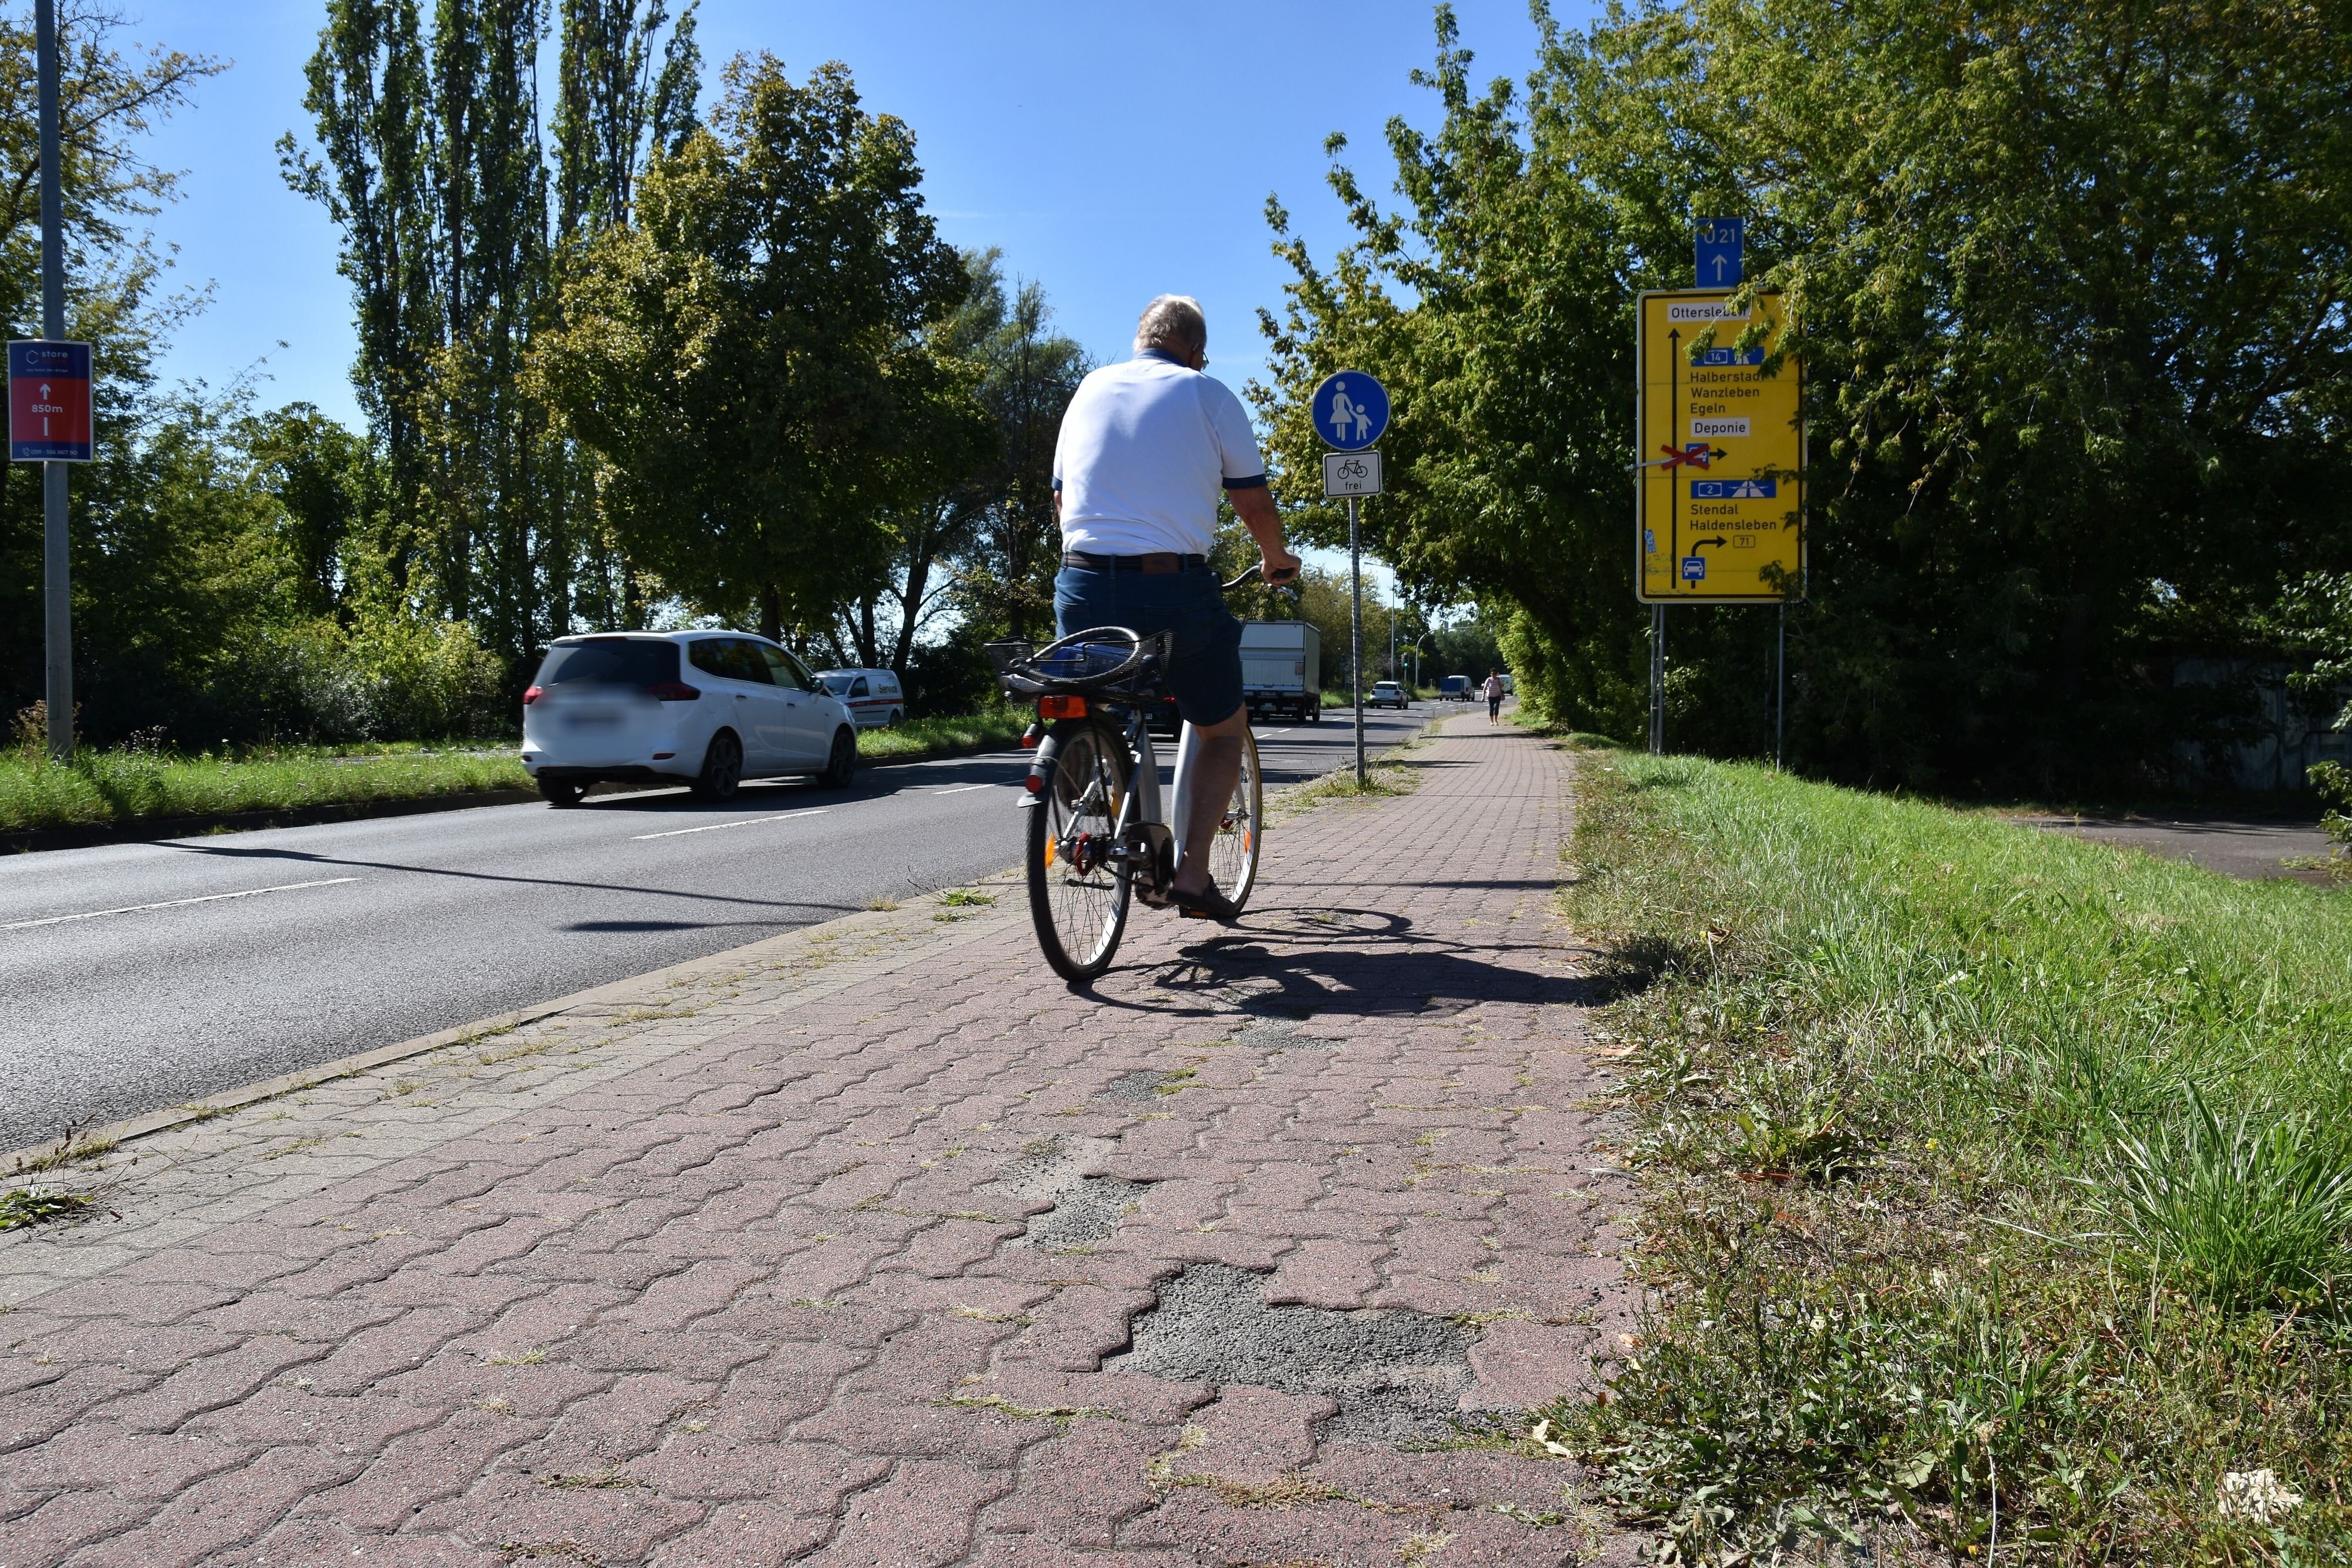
x=1172 y=322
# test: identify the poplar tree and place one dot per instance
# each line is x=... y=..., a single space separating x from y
x=617 y=105
x=369 y=97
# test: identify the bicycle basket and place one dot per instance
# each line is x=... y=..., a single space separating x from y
x=1080 y=662
x=1108 y=664
x=1006 y=654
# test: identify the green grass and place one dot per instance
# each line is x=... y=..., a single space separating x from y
x=913 y=737
x=108 y=787
x=1996 y=1186
x=103 y=787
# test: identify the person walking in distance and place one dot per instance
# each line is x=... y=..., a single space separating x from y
x=1146 y=448
x=1494 y=696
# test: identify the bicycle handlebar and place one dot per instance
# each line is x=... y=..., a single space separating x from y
x=1255 y=573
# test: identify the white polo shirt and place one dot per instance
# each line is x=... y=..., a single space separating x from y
x=1146 y=446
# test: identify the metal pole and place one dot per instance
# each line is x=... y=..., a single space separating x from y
x=1356 y=638
x=57 y=580
x=1780 y=690
x=1657 y=679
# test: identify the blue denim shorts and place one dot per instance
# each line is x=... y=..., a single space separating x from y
x=1205 y=672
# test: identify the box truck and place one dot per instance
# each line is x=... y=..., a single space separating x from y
x=1282 y=669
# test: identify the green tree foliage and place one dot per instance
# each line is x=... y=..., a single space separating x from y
x=2072 y=282
x=750 y=356
x=429 y=159
x=323 y=477
x=108 y=99
x=1031 y=372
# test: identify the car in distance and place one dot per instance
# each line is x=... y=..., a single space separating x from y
x=873 y=696
x=1455 y=688
x=707 y=709
x=1387 y=694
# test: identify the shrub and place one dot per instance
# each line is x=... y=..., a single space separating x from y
x=2333 y=783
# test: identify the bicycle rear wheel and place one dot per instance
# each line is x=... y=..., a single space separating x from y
x=1233 y=854
x=1077 y=891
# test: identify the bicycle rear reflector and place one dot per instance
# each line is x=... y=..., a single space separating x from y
x=1060 y=707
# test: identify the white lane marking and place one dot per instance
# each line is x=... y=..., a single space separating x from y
x=959 y=788
x=738 y=822
x=174 y=904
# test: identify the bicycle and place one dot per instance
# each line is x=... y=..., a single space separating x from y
x=1096 y=834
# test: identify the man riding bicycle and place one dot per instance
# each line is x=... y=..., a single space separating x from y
x=1145 y=448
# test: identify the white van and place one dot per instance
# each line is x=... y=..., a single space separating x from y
x=873 y=696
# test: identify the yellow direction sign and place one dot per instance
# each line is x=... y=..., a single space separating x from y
x=1719 y=513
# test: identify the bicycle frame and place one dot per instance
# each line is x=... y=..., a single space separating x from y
x=1142 y=810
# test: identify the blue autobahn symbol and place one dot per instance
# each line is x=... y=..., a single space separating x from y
x=1735 y=489
x=1729 y=357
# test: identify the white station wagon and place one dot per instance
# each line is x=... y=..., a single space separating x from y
x=708 y=709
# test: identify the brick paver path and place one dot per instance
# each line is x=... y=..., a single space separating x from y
x=827 y=1250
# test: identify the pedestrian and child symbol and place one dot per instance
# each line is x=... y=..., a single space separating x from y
x=1351 y=409
x=1348 y=423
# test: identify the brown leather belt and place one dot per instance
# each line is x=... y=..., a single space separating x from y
x=1164 y=561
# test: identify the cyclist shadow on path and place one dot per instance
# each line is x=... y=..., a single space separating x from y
x=1364 y=962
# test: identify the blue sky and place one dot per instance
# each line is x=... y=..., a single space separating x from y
x=1113 y=150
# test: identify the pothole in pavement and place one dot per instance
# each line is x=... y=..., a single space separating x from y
x=1397 y=1375
x=1142 y=1085
x=1086 y=1209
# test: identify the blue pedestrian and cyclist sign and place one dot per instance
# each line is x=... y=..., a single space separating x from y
x=1351 y=409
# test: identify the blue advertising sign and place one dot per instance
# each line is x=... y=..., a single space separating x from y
x=1351 y=409
x=48 y=401
x=1719 y=261
x=1735 y=489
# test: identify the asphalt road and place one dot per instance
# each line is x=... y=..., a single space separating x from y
x=135 y=977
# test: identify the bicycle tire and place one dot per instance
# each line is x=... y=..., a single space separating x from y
x=1233 y=854
x=1079 y=918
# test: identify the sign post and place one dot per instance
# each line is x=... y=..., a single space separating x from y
x=60 y=391
x=1350 y=410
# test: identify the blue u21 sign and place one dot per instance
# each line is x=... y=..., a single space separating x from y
x=1719 y=260
x=1351 y=409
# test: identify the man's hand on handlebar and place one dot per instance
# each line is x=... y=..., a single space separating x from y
x=1263 y=572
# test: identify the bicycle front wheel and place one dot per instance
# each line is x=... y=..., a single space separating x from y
x=1077 y=888
x=1233 y=853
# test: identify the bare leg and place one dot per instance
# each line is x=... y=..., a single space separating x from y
x=1216 y=766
